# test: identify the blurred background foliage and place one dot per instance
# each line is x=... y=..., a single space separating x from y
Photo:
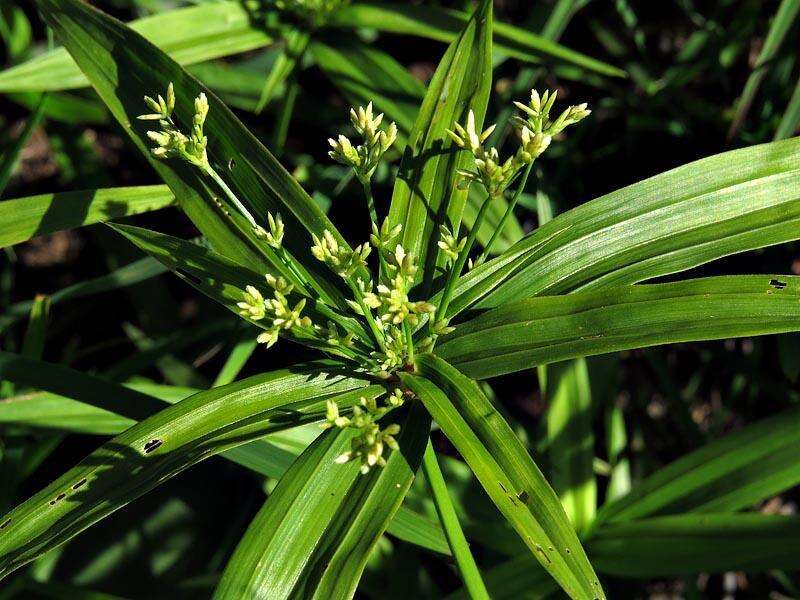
x=702 y=77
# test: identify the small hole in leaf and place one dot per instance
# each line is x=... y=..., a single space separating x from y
x=231 y=164
x=5 y=524
x=60 y=497
x=777 y=284
x=523 y=497
x=79 y=484
x=152 y=445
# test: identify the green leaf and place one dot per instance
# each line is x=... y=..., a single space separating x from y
x=570 y=440
x=162 y=446
x=87 y=407
x=702 y=211
x=110 y=53
x=506 y=471
x=189 y=35
x=443 y=25
x=24 y=218
x=213 y=274
x=314 y=534
x=553 y=328
x=735 y=472
x=781 y=24
x=669 y=546
x=425 y=193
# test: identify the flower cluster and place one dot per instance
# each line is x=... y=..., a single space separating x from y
x=535 y=133
x=365 y=157
x=255 y=307
x=368 y=445
x=171 y=141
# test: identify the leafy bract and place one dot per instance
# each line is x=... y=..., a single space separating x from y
x=163 y=445
x=314 y=534
x=506 y=471
x=425 y=193
x=691 y=215
x=123 y=66
x=551 y=328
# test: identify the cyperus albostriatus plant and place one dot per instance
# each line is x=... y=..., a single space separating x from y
x=380 y=295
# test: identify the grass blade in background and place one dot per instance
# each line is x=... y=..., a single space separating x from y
x=670 y=546
x=732 y=473
x=506 y=471
x=444 y=25
x=24 y=218
x=551 y=328
x=571 y=440
x=9 y=158
x=791 y=116
x=781 y=23
x=425 y=195
x=189 y=35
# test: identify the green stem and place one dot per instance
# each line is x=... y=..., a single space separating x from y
x=373 y=215
x=507 y=214
x=455 y=272
x=409 y=341
x=376 y=333
x=209 y=170
x=452 y=528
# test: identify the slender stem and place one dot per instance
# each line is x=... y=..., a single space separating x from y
x=455 y=272
x=508 y=212
x=409 y=341
x=209 y=170
x=373 y=215
x=452 y=528
x=376 y=333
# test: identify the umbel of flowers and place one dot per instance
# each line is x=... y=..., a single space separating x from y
x=394 y=326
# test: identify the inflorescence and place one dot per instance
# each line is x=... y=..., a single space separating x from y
x=384 y=327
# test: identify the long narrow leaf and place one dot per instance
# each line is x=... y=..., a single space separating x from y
x=552 y=328
x=702 y=211
x=506 y=471
x=24 y=218
x=313 y=536
x=425 y=193
x=729 y=474
x=162 y=446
